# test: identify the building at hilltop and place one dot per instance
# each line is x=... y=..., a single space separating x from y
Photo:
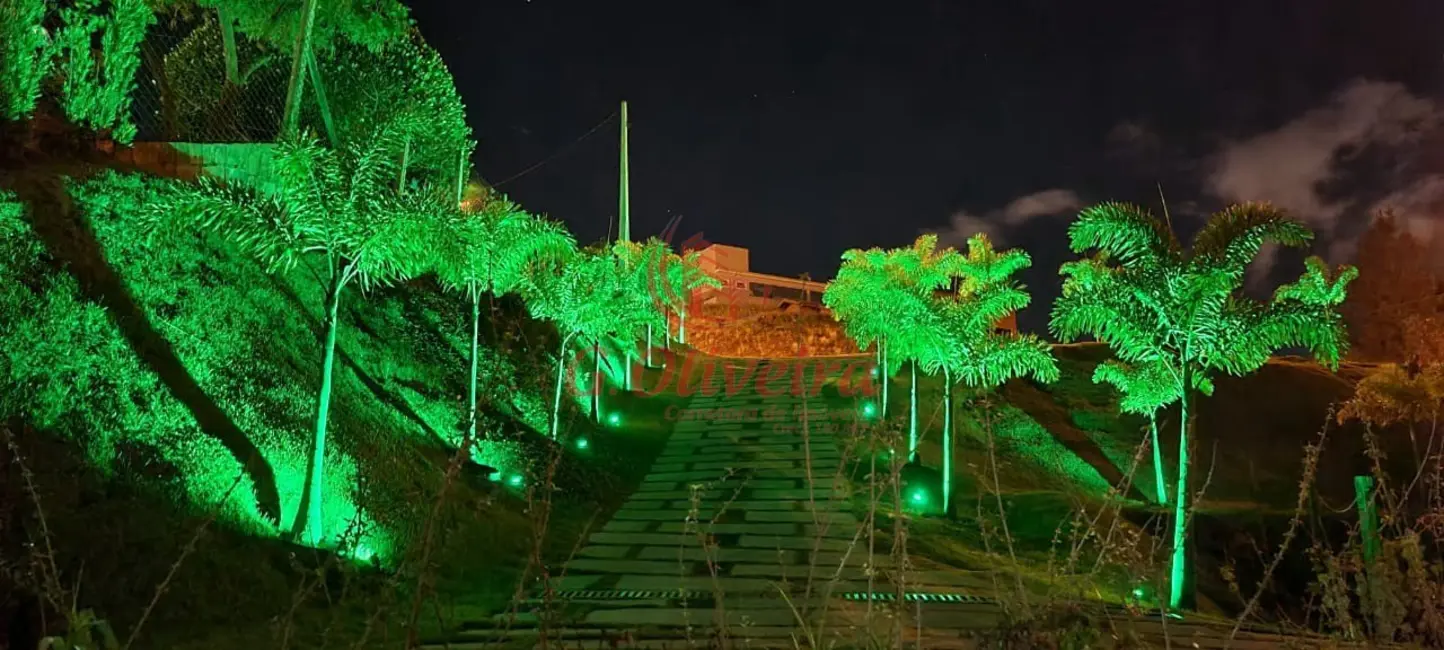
x=744 y=288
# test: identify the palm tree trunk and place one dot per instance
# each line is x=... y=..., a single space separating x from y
x=405 y=161
x=883 y=377
x=1180 y=594
x=1158 y=461
x=649 y=345
x=557 y=400
x=913 y=415
x=475 y=335
x=627 y=369
x=319 y=86
x=947 y=441
x=597 y=381
x=310 y=525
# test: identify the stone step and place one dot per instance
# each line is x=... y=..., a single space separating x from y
x=631 y=567
x=651 y=514
x=786 y=530
x=796 y=543
x=651 y=539
x=625 y=526
x=721 y=554
x=804 y=517
x=679 y=617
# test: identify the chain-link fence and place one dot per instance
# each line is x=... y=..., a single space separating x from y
x=198 y=83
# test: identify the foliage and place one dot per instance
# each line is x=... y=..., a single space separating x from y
x=1424 y=339
x=495 y=248
x=338 y=205
x=24 y=58
x=67 y=368
x=403 y=82
x=83 y=632
x=851 y=295
x=894 y=295
x=369 y=23
x=95 y=92
x=586 y=294
x=970 y=349
x=890 y=294
x=1164 y=311
x=198 y=104
x=1393 y=395
x=679 y=277
x=1175 y=317
x=643 y=266
x=1398 y=284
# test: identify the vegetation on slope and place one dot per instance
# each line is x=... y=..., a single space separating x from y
x=181 y=376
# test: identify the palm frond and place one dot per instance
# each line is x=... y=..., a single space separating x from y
x=1124 y=231
x=256 y=223
x=1232 y=238
x=1319 y=285
x=1145 y=387
x=1006 y=357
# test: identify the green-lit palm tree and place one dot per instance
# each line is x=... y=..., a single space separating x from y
x=585 y=295
x=916 y=274
x=964 y=343
x=1174 y=318
x=645 y=268
x=339 y=207
x=493 y=250
x=1146 y=390
x=854 y=301
x=674 y=281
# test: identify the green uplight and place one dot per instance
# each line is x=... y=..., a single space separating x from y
x=515 y=480
x=363 y=553
x=918 y=497
x=614 y=419
x=1138 y=592
x=869 y=409
x=874 y=371
x=583 y=443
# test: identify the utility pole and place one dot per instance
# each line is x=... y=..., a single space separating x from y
x=624 y=234
x=624 y=199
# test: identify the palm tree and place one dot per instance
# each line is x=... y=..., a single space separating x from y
x=854 y=300
x=914 y=274
x=1174 y=318
x=492 y=251
x=968 y=347
x=644 y=268
x=1146 y=390
x=678 y=277
x=337 y=206
x=585 y=296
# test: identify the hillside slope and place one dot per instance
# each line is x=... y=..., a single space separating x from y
x=154 y=382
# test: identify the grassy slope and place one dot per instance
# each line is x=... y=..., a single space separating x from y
x=138 y=370
x=1057 y=442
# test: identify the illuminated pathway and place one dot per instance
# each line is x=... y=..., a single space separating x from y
x=734 y=514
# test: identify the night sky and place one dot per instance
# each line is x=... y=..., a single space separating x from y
x=799 y=129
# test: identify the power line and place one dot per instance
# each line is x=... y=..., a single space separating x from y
x=556 y=154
